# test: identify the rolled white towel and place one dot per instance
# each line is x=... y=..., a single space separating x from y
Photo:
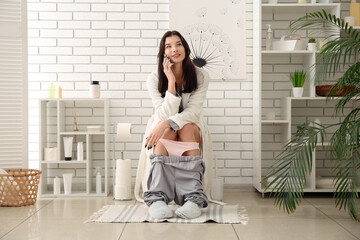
x=324 y=182
x=2 y=171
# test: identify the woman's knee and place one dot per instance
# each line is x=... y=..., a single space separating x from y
x=187 y=133
x=169 y=135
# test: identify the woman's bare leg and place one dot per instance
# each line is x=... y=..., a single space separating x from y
x=190 y=133
x=169 y=135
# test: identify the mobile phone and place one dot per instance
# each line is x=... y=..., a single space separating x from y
x=165 y=56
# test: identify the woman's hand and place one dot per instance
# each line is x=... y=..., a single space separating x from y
x=167 y=64
x=156 y=134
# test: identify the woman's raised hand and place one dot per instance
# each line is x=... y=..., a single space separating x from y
x=167 y=64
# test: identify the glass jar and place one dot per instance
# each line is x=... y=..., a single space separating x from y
x=94 y=89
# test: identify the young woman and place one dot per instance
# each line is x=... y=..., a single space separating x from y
x=176 y=135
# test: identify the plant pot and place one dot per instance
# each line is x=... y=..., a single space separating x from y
x=312 y=47
x=323 y=90
x=321 y=44
x=298 y=91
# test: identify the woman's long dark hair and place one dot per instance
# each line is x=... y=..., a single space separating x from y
x=190 y=79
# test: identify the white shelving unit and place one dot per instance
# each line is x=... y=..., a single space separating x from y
x=56 y=122
x=283 y=125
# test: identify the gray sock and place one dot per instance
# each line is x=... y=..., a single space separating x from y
x=159 y=210
x=189 y=210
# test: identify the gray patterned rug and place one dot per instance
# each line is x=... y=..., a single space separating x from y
x=226 y=214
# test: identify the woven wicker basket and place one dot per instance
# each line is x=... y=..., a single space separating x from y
x=19 y=187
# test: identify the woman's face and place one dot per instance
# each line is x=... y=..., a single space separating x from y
x=174 y=49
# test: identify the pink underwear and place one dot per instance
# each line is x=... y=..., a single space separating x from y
x=176 y=148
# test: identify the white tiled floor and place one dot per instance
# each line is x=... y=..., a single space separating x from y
x=316 y=219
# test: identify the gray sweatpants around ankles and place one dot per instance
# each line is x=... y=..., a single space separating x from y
x=176 y=178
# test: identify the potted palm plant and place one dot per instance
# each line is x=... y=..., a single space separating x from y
x=298 y=79
x=294 y=163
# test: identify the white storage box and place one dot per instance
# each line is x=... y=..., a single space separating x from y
x=288 y=45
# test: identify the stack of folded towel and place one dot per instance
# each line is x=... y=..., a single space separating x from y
x=324 y=182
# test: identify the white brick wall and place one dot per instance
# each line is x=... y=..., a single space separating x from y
x=72 y=42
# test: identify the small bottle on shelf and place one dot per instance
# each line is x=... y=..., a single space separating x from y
x=94 y=89
x=52 y=90
x=98 y=180
x=269 y=37
x=80 y=151
x=57 y=185
x=59 y=92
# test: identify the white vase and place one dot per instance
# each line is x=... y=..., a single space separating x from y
x=298 y=91
x=217 y=189
x=312 y=47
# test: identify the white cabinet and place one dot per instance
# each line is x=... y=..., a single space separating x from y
x=56 y=122
x=272 y=88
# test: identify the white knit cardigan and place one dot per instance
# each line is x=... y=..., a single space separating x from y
x=167 y=108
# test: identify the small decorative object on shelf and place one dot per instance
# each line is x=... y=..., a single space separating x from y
x=350 y=20
x=355 y=12
x=75 y=129
x=298 y=79
x=273 y=1
x=93 y=128
x=269 y=37
x=302 y=1
x=312 y=44
x=313 y=1
x=324 y=90
x=325 y=1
